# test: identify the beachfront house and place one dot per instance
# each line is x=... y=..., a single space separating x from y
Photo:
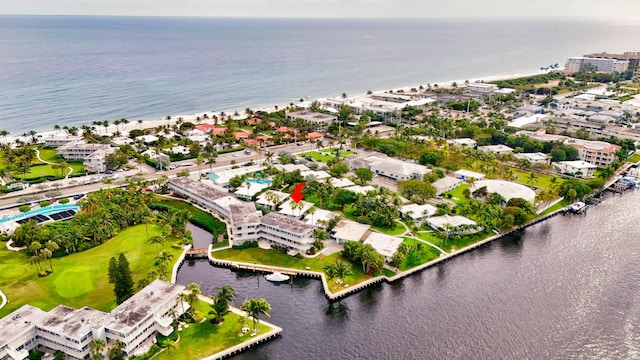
x=93 y=156
x=135 y=323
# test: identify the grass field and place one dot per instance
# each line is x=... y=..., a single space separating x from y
x=275 y=258
x=198 y=217
x=201 y=340
x=78 y=279
x=397 y=230
x=49 y=155
x=634 y=158
x=326 y=154
x=424 y=255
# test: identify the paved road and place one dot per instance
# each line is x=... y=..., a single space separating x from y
x=70 y=187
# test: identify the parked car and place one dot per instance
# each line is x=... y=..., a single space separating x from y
x=78 y=196
x=171 y=167
x=108 y=171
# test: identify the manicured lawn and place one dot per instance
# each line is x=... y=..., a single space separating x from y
x=397 y=230
x=326 y=154
x=77 y=167
x=424 y=255
x=456 y=193
x=49 y=155
x=634 y=158
x=78 y=279
x=451 y=244
x=388 y=273
x=275 y=258
x=555 y=207
x=204 y=339
x=543 y=181
x=198 y=217
x=220 y=244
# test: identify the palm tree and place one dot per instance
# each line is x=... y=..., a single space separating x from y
x=52 y=246
x=158 y=241
x=97 y=346
x=227 y=293
x=199 y=161
x=312 y=210
x=342 y=269
x=255 y=307
x=532 y=178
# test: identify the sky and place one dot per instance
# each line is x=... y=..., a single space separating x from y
x=596 y=9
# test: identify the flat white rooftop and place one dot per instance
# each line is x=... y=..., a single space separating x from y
x=386 y=245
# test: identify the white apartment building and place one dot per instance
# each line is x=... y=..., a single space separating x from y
x=577 y=64
x=285 y=231
x=135 y=323
x=482 y=88
x=59 y=140
x=245 y=221
x=92 y=155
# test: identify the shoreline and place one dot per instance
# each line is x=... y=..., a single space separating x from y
x=155 y=121
x=333 y=296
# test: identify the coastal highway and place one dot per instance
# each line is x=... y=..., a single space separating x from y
x=74 y=186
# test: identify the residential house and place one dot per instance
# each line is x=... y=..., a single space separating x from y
x=347 y=230
x=576 y=168
x=385 y=245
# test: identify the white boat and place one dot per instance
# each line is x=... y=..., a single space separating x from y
x=277 y=277
x=578 y=207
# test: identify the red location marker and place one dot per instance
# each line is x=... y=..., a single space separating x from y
x=297 y=193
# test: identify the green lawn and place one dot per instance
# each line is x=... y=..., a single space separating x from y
x=543 y=181
x=275 y=258
x=198 y=217
x=634 y=158
x=457 y=192
x=424 y=255
x=326 y=154
x=49 y=155
x=451 y=244
x=78 y=279
x=397 y=230
x=204 y=339
x=555 y=207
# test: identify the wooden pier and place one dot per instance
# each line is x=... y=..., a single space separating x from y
x=197 y=253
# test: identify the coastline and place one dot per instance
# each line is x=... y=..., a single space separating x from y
x=333 y=296
x=155 y=121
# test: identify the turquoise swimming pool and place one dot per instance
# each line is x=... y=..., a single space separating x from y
x=51 y=209
x=259 y=181
x=213 y=176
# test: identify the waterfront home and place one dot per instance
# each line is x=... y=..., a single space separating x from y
x=445 y=184
x=135 y=323
x=347 y=230
x=507 y=189
x=397 y=169
x=293 y=234
x=577 y=168
x=455 y=224
x=417 y=213
x=385 y=245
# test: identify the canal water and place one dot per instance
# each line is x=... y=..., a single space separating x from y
x=565 y=288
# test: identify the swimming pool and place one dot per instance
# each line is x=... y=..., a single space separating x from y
x=213 y=176
x=259 y=181
x=51 y=209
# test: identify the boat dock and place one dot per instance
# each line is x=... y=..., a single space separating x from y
x=197 y=253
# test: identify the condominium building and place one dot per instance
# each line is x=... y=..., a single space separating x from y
x=318 y=121
x=482 y=88
x=633 y=57
x=245 y=222
x=135 y=323
x=599 y=153
x=59 y=140
x=282 y=230
x=93 y=156
x=578 y=64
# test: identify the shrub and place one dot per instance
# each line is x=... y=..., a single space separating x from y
x=64 y=201
x=246 y=245
x=44 y=203
x=24 y=208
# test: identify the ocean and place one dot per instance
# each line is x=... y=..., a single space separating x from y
x=73 y=70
